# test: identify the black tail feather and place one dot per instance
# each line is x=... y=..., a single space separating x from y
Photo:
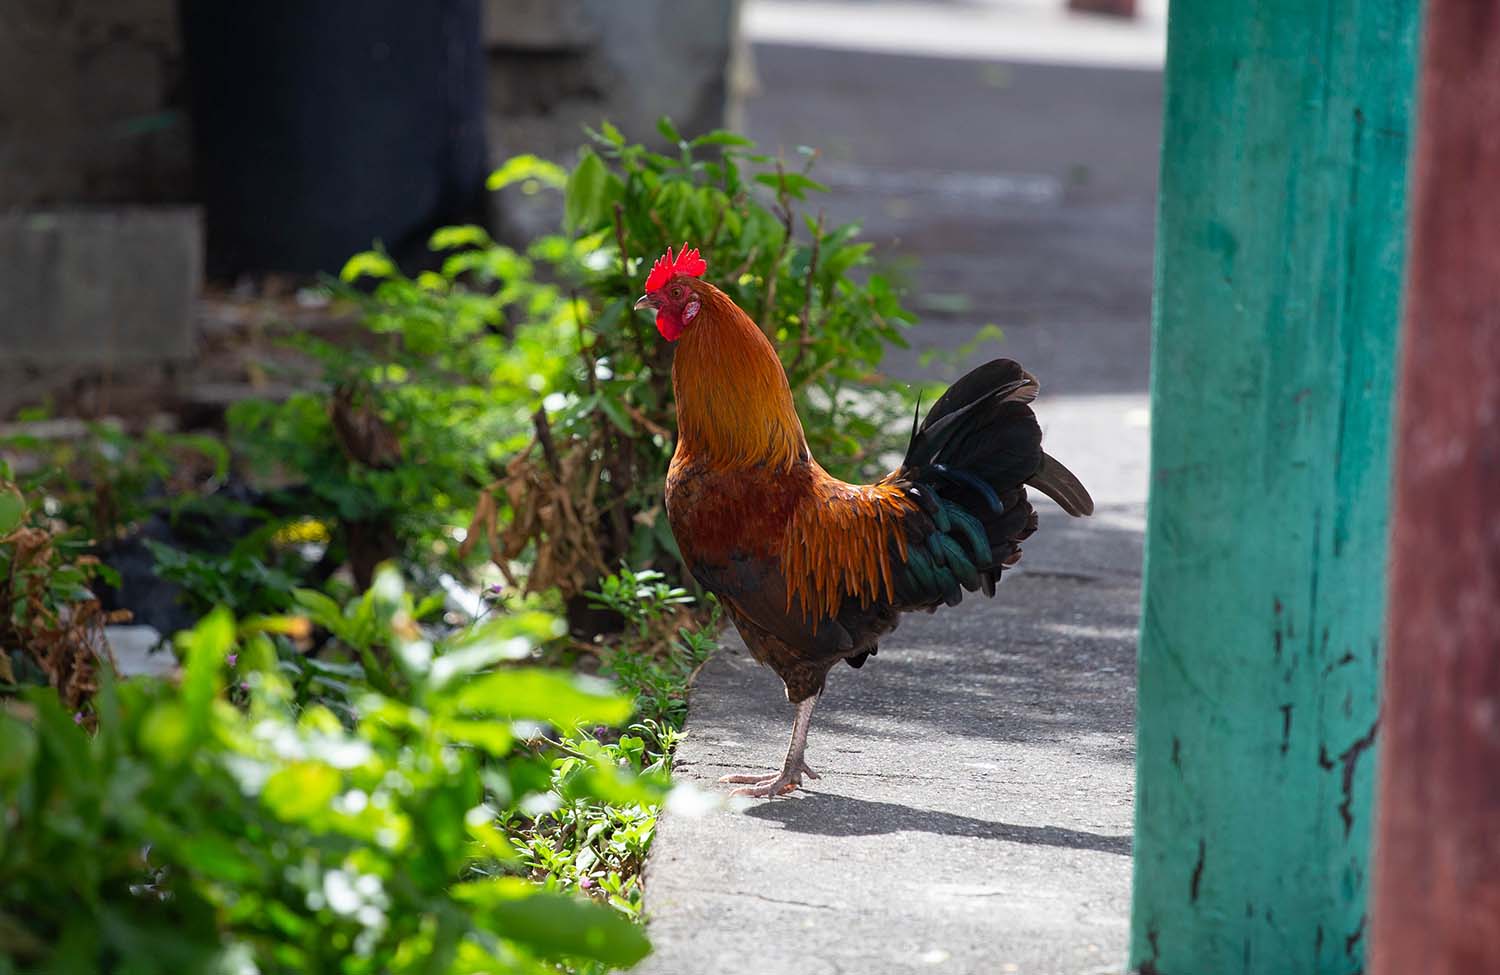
x=1061 y=485
x=973 y=454
x=966 y=418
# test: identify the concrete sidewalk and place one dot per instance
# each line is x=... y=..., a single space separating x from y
x=974 y=814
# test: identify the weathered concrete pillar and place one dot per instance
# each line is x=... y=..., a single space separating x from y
x=1278 y=270
x=1437 y=904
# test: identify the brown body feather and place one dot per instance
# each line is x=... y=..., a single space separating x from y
x=813 y=570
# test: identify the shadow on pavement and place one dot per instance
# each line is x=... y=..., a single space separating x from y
x=825 y=814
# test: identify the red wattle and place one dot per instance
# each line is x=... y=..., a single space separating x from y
x=669 y=327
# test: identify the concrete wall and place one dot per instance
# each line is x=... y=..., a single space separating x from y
x=556 y=66
x=88 y=96
x=95 y=288
x=92 y=94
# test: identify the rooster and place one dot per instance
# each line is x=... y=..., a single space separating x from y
x=812 y=570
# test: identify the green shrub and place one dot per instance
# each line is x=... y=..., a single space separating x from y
x=105 y=480
x=191 y=835
x=600 y=845
x=344 y=789
x=51 y=626
x=519 y=393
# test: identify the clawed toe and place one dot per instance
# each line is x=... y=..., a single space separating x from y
x=770 y=784
x=789 y=777
x=749 y=777
x=769 y=787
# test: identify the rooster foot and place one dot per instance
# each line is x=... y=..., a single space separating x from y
x=775 y=784
x=792 y=770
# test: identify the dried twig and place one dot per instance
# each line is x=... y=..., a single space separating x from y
x=713 y=236
x=585 y=348
x=66 y=641
x=748 y=263
x=784 y=202
x=804 y=336
x=651 y=425
x=544 y=437
x=620 y=239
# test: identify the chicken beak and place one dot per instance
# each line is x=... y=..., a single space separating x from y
x=644 y=301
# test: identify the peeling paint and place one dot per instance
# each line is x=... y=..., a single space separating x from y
x=1197 y=871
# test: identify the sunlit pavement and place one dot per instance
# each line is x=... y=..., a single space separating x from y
x=975 y=810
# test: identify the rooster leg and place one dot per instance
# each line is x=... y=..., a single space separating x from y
x=792 y=770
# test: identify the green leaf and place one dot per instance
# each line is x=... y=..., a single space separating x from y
x=211 y=447
x=20 y=748
x=301 y=790
x=165 y=733
x=591 y=190
x=12 y=510
x=554 y=925
x=492 y=736
x=428 y=605
x=611 y=785
x=482 y=647
x=452 y=238
x=367 y=264
x=530 y=167
x=721 y=137
x=668 y=130
x=617 y=415
x=322 y=610
x=612 y=134
x=796 y=184
x=206 y=646
x=530 y=693
x=216 y=856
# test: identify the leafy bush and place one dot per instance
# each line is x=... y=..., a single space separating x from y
x=742 y=210
x=661 y=642
x=105 y=479
x=600 y=846
x=189 y=835
x=440 y=421
x=338 y=786
x=167 y=506
x=51 y=625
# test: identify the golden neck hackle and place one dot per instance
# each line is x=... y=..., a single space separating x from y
x=734 y=406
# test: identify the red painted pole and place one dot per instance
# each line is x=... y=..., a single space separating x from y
x=1437 y=872
x=1113 y=8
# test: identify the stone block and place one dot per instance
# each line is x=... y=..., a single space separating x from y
x=539 y=25
x=98 y=288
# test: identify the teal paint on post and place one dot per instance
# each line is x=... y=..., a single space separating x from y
x=1279 y=256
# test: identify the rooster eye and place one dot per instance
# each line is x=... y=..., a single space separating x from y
x=676 y=292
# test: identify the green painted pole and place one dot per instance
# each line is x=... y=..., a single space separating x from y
x=1279 y=255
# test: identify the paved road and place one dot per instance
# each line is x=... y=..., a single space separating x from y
x=975 y=810
x=1018 y=194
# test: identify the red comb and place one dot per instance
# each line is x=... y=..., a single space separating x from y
x=688 y=262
